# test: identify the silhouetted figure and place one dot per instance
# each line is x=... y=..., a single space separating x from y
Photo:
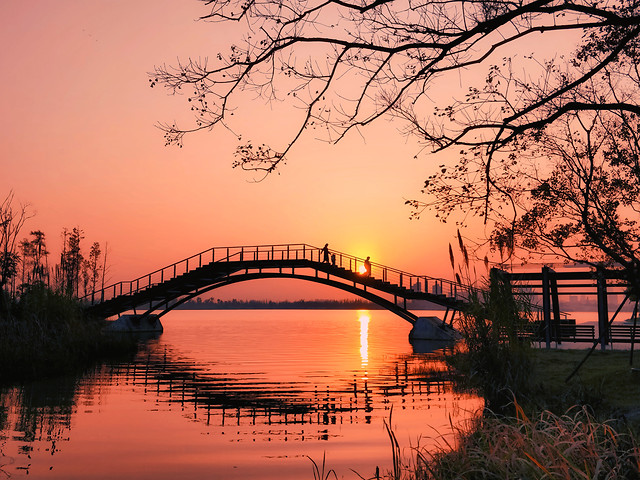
x=367 y=267
x=333 y=259
x=325 y=253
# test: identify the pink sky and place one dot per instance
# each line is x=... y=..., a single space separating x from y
x=79 y=144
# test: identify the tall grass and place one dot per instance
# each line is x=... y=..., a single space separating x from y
x=320 y=471
x=494 y=357
x=570 y=446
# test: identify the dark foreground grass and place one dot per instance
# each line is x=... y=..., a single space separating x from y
x=47 y=334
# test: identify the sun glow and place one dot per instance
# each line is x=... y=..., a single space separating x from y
x=364 y=336
x=362 y=269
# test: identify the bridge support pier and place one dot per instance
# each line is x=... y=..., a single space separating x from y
x=432 y=328
x=136 y=324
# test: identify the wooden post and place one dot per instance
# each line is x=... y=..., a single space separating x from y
x=444 y=320
x=546 y=307
x=633 y=333
x=553 y=284
x=603 y=310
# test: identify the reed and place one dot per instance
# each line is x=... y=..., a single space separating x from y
x=494 y=358
x=319 y=470
x=570 y=446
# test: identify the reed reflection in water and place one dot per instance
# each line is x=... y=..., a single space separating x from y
x=236 y=395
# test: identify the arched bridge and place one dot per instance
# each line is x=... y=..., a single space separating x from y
x=162 y=290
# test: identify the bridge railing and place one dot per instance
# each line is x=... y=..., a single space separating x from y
x=294 y=251
x=214 y=254
x=406 y=280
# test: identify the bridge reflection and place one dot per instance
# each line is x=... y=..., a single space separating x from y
x=247 y=399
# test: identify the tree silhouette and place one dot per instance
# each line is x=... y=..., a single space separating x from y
x=520 y=136
x=11 y=221
x=93 y=268
x=71 y=261
x=347 y=64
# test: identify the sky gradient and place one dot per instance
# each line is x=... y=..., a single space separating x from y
x=81 y=146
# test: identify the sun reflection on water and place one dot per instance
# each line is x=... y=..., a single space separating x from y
x=364 y=317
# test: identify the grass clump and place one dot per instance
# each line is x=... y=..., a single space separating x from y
x=47 y=333
x=569 y=446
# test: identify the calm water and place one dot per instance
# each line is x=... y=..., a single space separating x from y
x=237 y=394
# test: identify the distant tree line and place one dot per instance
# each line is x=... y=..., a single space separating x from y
x=25 y=263
x=218 y=304
x=235 y=304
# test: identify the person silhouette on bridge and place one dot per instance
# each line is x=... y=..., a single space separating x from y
x=325 y=253
x=367 y=267
x=333 y=259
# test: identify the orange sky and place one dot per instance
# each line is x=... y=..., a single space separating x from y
x=79 y=144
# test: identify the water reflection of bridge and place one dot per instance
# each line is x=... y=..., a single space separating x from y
x=244 y=399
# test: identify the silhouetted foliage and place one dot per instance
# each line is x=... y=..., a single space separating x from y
x=92 y=268
x=33 y=264
x=496 y=358
x=71 y=260
x=47 y=332
x=11 y=221
x=345 y=64
x=571 y=190
x=559 y=140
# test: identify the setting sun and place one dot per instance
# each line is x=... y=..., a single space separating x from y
x=362 y=270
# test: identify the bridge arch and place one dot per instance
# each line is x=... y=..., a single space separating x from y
x=367 y=295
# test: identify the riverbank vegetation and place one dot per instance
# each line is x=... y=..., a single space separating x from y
x=586 y=428
x=45 y=333
x=43 y=328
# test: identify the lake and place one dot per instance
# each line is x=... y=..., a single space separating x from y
x=239 y=394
